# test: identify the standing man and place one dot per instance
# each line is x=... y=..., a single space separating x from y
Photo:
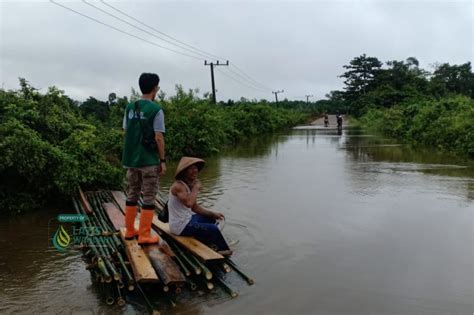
x=144 y=157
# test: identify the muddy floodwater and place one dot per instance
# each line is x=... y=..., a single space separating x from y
x=326 y=223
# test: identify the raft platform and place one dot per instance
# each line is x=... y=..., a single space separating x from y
x=121 y=267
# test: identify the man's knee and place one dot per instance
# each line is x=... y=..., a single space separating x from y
x=150 y=184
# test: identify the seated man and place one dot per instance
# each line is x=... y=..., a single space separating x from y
x=186 y=217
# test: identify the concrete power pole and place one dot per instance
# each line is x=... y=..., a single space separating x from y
x=212 y=76
x=307 y=98
x=276 y=94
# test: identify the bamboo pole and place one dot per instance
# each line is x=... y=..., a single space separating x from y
x=109 y=296
x=106 y=259
x=226 y=268
x=207 y=273
x=183 y=266
x=99 y=261
x=249 y=280
x=117 y=254
x=130 y=280
x=208 y=284
x=226 y=288
x=192 y=285
x=98 y=214
x=103 y=269
x=120 y=299
x=180 y=253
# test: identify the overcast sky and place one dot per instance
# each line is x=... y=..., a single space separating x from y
x=298 y=46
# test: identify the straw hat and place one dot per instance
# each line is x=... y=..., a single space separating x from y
x=186 y=162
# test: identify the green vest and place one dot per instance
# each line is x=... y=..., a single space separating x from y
x=135 y=154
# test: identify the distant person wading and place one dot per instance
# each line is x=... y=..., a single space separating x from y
x=144 y=157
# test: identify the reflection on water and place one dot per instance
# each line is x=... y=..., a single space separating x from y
x=326 y=223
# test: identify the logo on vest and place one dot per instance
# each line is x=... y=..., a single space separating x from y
x=132 y=114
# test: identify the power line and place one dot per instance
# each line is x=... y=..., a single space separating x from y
x=212 y=56
x=209 y=55
x=258 y=86
x=256 y=82
x=247 y=80
x=240 y=82
x=122 y=31
x=141 y=29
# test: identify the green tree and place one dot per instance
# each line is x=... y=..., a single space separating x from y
x=361 y=73
x=457 y=79
x=92 y=107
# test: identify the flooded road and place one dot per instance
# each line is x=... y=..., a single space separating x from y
x=325 y=223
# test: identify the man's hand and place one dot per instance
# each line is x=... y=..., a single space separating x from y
x=162 y=168
x=218 y=216
x=197 y=185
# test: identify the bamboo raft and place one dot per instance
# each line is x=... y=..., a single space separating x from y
x=120 y=267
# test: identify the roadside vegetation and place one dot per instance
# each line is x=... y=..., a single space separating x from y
x=52 y=144
x=404 y=101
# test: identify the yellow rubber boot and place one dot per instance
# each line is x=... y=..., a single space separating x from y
x=144 y=235
x=130 y=215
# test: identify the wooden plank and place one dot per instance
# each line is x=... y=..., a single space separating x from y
x=84 y=202
x=159 y=255
x=164 y=265
x=141 y=266
x=115 y=215
x=164 y=247
x=190 y=243
x=120 y=198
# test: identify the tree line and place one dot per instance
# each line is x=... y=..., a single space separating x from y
x=51 y=144
x=404 y=101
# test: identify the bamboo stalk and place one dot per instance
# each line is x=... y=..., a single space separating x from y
x=130 y=280
x=249 y=280
x=150 y=307
x=100 y=263
x=203 y=282
x=103 y=250
x=192 y=285
x=226 y=268
x=183 y=266
x=101 y=222
x=180 y=253
x=109 y=297
x=103 y=269
x=120 y=301
x=226 y=288
x=99 y=212
x=207 y=273
x=116 y=253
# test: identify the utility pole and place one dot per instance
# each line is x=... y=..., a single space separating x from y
x=212 y=76
x=307 y=98
x=276 y=94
